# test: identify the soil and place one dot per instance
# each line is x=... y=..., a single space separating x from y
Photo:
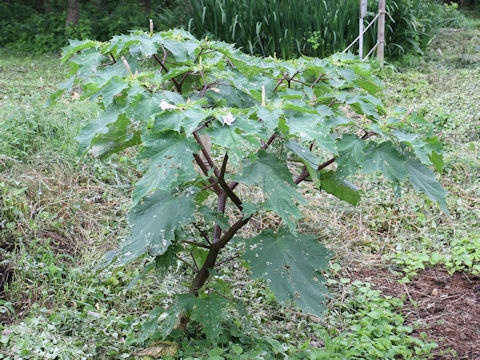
x=447 y=307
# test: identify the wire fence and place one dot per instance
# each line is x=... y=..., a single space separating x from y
x=380 y=17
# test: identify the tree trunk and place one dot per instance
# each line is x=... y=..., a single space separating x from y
x=38 y=5
x=73 y=12
x=42 y=6
x=46 y=6
x=147 y=5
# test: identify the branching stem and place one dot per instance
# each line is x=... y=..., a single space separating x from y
x=194 y=243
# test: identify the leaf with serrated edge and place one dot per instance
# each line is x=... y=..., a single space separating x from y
x=291 y=265
x=386 y=159
x=208 y=312
x=350 y=150
x=423 y=180
x=114 y=87
x=170 y=162
x=153 y=223
x=310 y=160
x=273 y=177
x=339 y=188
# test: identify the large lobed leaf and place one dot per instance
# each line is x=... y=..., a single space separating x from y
x=153 y=222
x=273 y=177
x=291 y=265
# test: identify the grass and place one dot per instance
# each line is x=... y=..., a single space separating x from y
x=59 y=214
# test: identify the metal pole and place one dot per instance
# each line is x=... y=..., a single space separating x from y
x=363 y=13
x=360 y=41
x=381 y=32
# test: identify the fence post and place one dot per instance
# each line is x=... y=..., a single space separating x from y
x=363 y=13
x=381 y=31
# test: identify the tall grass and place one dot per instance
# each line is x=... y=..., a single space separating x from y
x=289 y=28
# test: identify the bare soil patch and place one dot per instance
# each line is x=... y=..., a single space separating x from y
x=447 y=307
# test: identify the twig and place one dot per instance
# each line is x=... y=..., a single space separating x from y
x=194 y=243
x=280 y=81
x=209 y=186
x=217 y=231
x=187 y=263
x=306 y=174
x=206 y=154
x=230 y=233
x=194 y=262
x=203 y=233
x=321 y=77
x=227 y=260
x=221 y=179
x=269 y=141
x=204 y=169
x=230 y=62
x=162 y=65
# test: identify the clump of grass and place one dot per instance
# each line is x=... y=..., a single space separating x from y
x=318 y=28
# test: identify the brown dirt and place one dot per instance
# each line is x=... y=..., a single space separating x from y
x=446 y=306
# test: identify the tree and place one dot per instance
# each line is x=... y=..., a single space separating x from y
x=273 y=125
x=73 y=12
x=147 y=5
x=42 y=6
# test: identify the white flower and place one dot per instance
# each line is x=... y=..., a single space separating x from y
x=228 y=119
x=166 y=106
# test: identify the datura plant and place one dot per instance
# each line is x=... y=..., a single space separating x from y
x=213 y=126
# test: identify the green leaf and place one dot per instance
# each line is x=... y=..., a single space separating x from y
x=114 y=87
x=111 y=132
x=339 y=188
x=188 y=120
x=182 y=50
x=76 y=46
x=423 y=180
x=310 y=127
x=163 y=321
x=167 y=259
x=145 y=106
x=214 y=216
x=269 y=117
x=62 y=88
x=273 y=177
x=291 y=265
x=423 y=148
x=350 y=149
x=437 y=161
x=386 y=159
x=153 y=223
x=235 y=140
x=208 y=312
x=310 y=160
x=171 y=162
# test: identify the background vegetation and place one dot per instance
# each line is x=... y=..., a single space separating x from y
x=59 y=214
x=39 y=26
x=317 y=27
x=284 y=28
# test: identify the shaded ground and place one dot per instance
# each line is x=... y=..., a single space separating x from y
x=446 y=307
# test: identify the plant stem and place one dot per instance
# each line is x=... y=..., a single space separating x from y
x=194 y=243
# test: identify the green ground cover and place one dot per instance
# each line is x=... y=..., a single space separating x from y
x=59 y=213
